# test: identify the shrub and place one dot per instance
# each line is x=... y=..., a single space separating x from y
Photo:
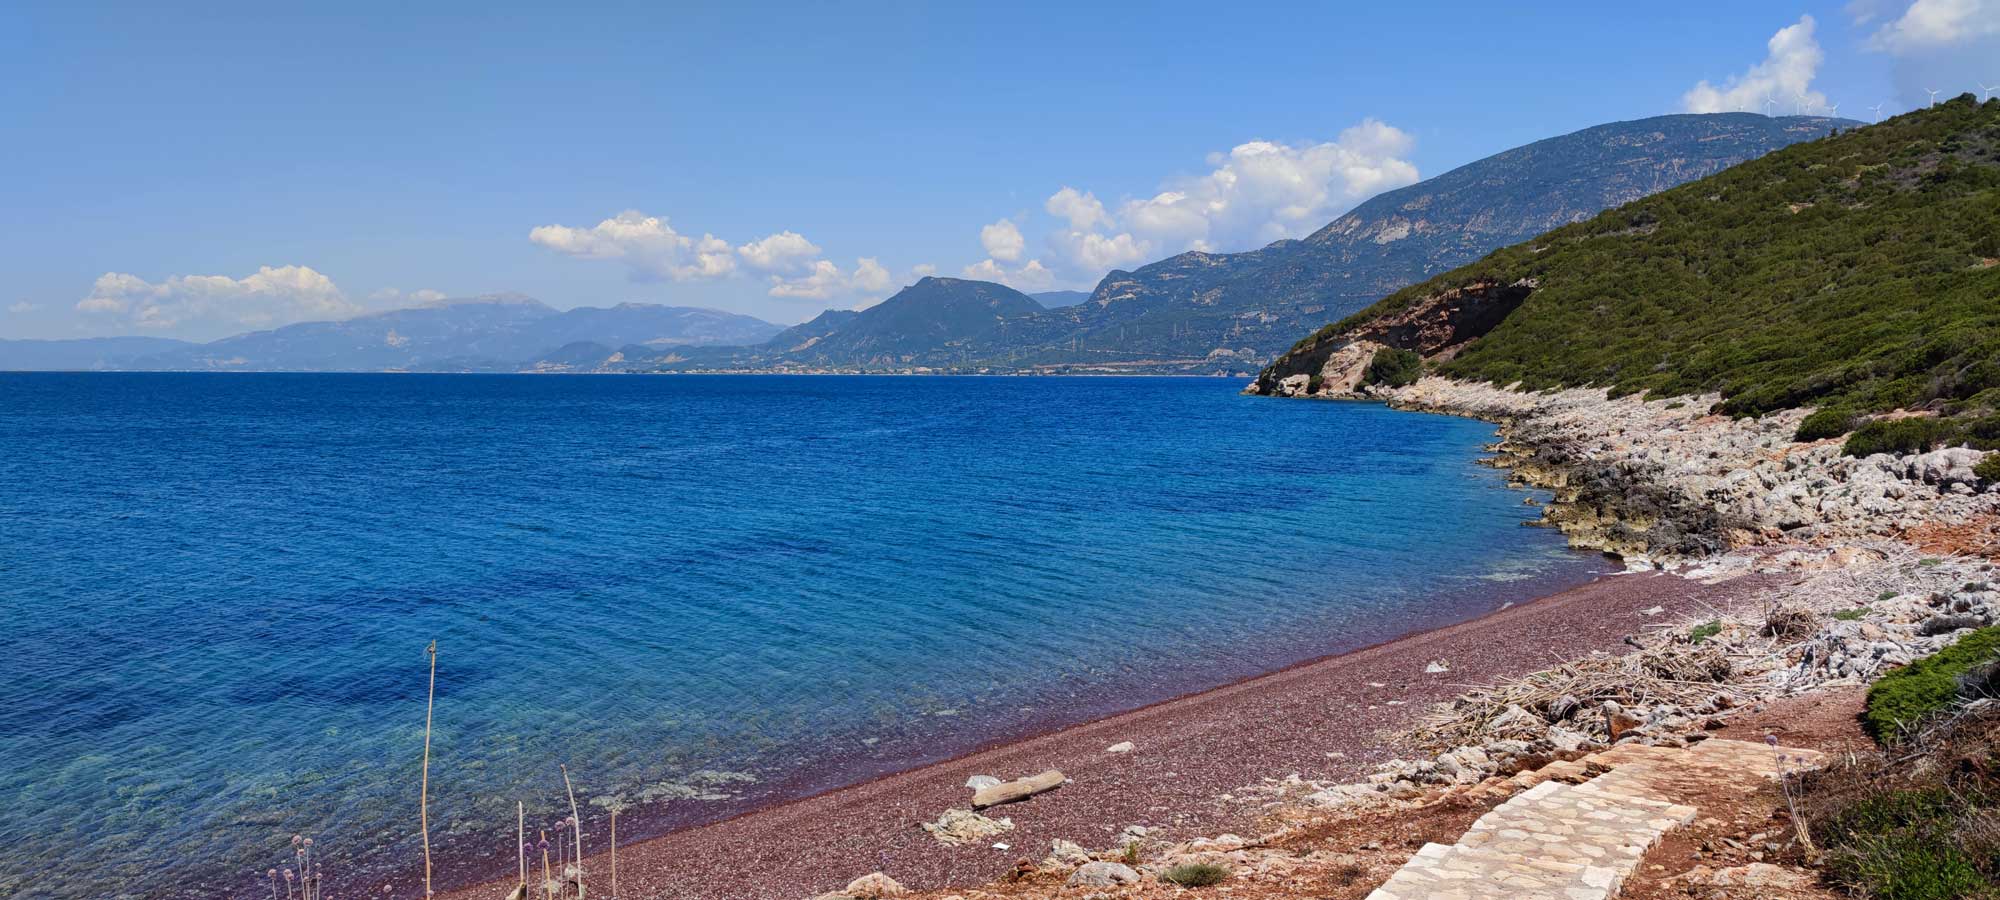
x=1904 y=698
x=1911 y=435
x=1852 y=615
x=1704 y=631
x=1394 y=368
x=1313 y=382
x=1194 y=875
x=1832 y=421
x=1988 y=469
x=1906 y=865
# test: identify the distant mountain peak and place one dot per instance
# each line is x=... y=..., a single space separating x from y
x=505 y=298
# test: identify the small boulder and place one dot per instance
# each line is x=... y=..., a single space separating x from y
x=1103 y=874
x=874 y=886
x=1120 y=747
x=1065 y=855
x=981 y=782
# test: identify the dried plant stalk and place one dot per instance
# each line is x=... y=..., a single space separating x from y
x=424 y=790
x=576 y=824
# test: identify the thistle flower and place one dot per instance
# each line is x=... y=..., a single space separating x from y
x=1771 y=739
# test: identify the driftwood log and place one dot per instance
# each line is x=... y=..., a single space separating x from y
x=1018 y=789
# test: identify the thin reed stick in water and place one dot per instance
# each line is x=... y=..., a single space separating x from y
x=548 y=884
x=521 y=842
x=424 y=792
x=576 y=823
x=614 y=853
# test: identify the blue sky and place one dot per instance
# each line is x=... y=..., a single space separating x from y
x=203 y=171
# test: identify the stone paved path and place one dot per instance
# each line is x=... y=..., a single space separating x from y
x=1562 y=841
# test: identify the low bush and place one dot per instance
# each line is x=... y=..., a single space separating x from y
x=1911 y=435
x=1394 y=368
x=1908 y=864
x=1988 y=469
x=1195 y=875
x=1916 y=824
x=1832 y=421
x=1901 y=700
x=1704 y=631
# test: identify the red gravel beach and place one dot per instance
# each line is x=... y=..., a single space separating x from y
x=1322 y=719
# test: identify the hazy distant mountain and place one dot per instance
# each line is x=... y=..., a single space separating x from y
x=502 y=332
x=1210 y=308
x=84 y=354
x=1056 y=299
x=802 y=336
x=924 y=323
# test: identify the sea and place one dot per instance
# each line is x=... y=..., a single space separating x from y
x=697 y=595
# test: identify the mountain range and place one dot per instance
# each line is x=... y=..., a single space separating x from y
x=492 y=333
x=1858 y=274
x=1229 y=313
x=1193 y=313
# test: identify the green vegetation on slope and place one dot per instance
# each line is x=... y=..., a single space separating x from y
x=1901 y=700
x=1920 y=821
x=1859 y=271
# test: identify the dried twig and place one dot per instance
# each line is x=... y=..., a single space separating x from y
x=576 y=823
x=424 y=791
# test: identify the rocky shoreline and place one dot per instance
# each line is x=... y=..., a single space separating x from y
x=1662 y=484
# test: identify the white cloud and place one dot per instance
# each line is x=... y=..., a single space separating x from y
x=268 y=298
x=1003 y=240
x=1099 y=252
x=1791 y=61
x=651 y=248
x=23 y=307
x=1946 y=45
x=786 y=251
x=648 y=244
x=922 y=269
x=1029 y=276
x=1080 y=208
x=1255 y=193
x=825 y=280
x=1931 y=24
x=388 y=296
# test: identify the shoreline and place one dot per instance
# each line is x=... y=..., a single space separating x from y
x=1322 y=719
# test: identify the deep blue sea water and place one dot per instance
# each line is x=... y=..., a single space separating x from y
x=699 y=593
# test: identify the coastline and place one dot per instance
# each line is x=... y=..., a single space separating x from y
x=1658 y=483
x=1323 y=719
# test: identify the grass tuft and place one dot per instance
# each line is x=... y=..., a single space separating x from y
x=1195 y=875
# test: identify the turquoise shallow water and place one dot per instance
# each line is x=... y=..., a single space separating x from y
x=702 y=594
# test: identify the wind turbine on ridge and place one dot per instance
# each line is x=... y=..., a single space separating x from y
x=1803 y=105
x=1933 y=95
x=1833 y=110
x=1986 y=89
x=1878 y=111
x=1769 y=102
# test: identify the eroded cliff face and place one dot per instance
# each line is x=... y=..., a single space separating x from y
x=1437 y=326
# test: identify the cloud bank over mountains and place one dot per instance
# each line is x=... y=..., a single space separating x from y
x=217 y=304
x=1255 y=193
x=1781 y=84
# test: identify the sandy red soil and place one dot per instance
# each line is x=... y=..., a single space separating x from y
x=1323 y=719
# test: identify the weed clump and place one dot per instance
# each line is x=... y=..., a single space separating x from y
x=1195 y=875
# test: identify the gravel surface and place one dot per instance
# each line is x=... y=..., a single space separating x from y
x=1322 y=719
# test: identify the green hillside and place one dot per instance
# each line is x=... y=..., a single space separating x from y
x=1857 y=272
